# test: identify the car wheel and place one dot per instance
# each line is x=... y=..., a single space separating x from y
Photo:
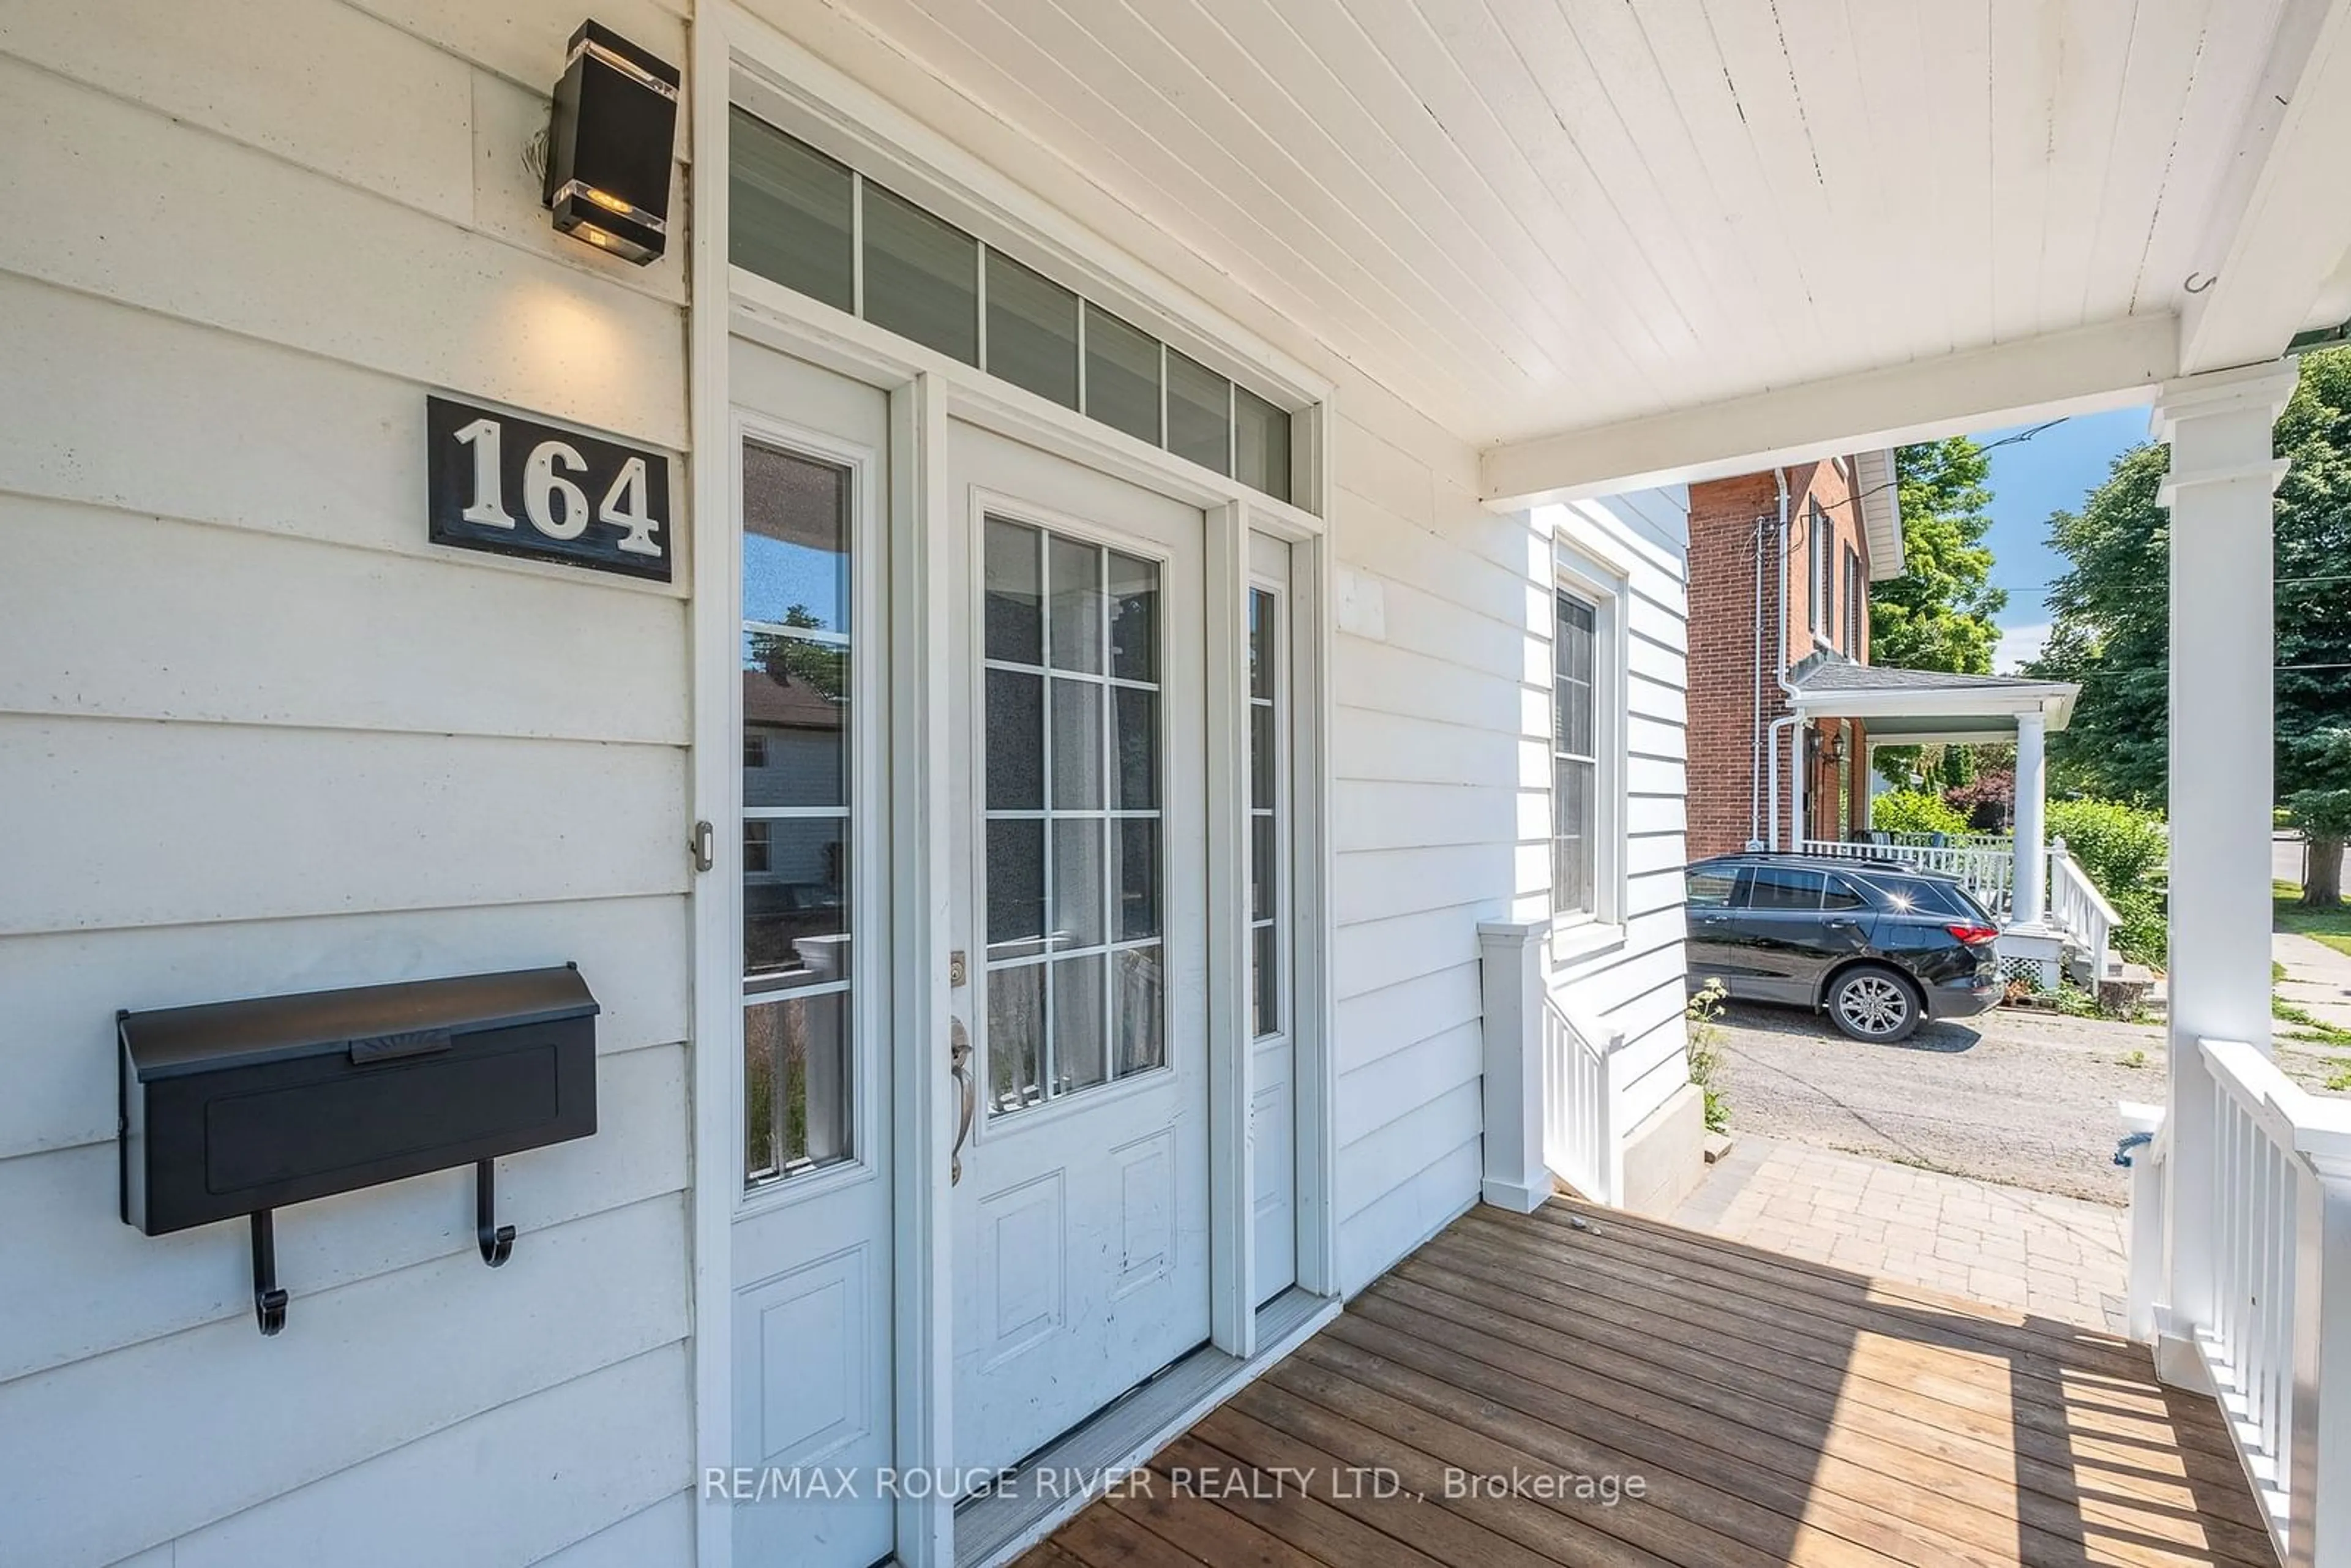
x=1874 y=1004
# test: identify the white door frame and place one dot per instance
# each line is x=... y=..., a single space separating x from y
x=737 y=57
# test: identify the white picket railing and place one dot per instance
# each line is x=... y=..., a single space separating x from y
x=1986 y=870
x=1578 y=1130
x=2278 y=1344
x=1950 y=841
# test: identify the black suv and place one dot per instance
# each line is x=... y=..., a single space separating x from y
x=1876 y=943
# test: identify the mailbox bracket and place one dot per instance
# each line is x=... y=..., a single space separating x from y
x=268 y=1301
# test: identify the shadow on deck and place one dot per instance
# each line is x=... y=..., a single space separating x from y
x=1772 y=1411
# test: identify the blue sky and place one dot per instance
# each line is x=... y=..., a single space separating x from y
x=2031 y=479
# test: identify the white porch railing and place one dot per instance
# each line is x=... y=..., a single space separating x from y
x=1950 y=841
x=2277 y=1346
x=1580 y=1136
x=1986 y=869
x=2079 y=909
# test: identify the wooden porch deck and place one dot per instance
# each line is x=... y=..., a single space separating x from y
x=1775 y=1411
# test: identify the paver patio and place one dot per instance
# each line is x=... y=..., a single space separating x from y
x=2057 y=1257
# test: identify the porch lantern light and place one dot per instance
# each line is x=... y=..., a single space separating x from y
x=608 y=146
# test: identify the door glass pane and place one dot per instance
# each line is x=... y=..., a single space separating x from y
x=1080 y=1061
x=1266 y=813
x=1134 y=618
x=1076 y=613
x=798 y=1062
x=1263 y=869
x=796 y=1071
x=1032 y=330
x=1015 y=594
x=1136 y=986
x=1135 y=771
x=1121 y=375
x=1077 y=746
x=795 y=901
x=1016 y=888
x=922 y=276
x=1078 y=882
x=1199 y=414
x=788 y=214
x=1016 y=741
x=1137 y=882
x=1261 y=444
x=1265 y=982
x=1016 y=1036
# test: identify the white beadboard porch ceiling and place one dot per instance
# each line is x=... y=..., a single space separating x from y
x=1528 y=216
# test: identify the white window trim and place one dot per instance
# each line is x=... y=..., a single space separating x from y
x=1602 y=583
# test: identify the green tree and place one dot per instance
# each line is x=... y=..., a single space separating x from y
x=1938 y=615
x=2111 y=628
x=2322 y=812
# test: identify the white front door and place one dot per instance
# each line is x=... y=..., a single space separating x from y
x=799 y=655
x=1081 y=1212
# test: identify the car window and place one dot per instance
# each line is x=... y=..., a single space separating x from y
x=1710 y=887
x=1784 y=887
x=1842 y=895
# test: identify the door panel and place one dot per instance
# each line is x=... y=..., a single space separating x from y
x=800 y=658
x=1081 y=1217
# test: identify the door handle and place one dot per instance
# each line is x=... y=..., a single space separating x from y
x=967 y=1092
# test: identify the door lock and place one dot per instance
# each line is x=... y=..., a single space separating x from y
x=959 y=971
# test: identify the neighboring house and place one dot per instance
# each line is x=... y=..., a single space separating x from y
x=1090 y=666
x=1781 y=564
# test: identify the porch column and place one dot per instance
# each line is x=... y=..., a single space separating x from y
x=2029 y=900
x=1510 y=955
x=2222 y=648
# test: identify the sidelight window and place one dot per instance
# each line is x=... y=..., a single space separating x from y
x=795 y=927
x=1575 y=760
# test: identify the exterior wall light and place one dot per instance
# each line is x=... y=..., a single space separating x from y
x=608 y=146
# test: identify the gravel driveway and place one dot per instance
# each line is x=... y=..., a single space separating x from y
x=2013 y=1096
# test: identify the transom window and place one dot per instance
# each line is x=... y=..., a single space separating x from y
x=823 y=229
x=797 y=769
x=1075 y=782
x=1576 y=763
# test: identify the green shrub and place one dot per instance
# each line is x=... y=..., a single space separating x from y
x=2142 y=935
x=1914 y=812
x=2120 y=846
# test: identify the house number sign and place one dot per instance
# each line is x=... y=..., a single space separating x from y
x=496 y=481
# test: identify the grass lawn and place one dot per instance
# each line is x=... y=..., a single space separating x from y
x=2332 y=926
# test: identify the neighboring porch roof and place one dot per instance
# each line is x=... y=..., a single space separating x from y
x=1916 y=707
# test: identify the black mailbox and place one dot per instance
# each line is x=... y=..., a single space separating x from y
x=238 y=1108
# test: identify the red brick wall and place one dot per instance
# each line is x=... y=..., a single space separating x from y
x=1725 y=543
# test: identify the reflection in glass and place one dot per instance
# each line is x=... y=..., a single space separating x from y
x=795 y=901
x=1077 y=608
x=1077 y=746
x=1138 y=1008
x=1121 y=375
x=796 y=1071
x=1032 y=330
x=922 y=276
x=1079 y=1059
x=1134 y=618
x=1077 y=907
x=1261 y=444
x=795 y=721
x=788 y=214
x=1264 y=871
x=794 y=541
x=1015 y=589
x=1135 y=767
x=1199 y=414
x=1016 y=1036
x=1136 y=879
x=1016 y=741
x=1016 y=887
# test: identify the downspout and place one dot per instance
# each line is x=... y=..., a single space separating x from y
x=1779 y=674
x=1755 y=730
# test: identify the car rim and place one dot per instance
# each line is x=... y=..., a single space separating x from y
x=1874 y=1004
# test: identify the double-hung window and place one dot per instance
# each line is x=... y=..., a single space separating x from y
x=1575 y=760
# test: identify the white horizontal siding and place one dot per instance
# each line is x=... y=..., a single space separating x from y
x=1632 y=983
x=257 y=734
